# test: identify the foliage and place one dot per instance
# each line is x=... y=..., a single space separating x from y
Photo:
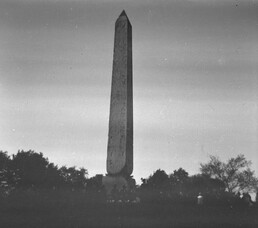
x=158 y=180
x=179 y=186
x=6 y=174
x=72 y=177
x=178 y=179
x=95 y=182
x=4 y=159
x=205 y=185
x=30 y=170
x=235 y=173
x=179 y=176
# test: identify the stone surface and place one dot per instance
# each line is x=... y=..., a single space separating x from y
x=119 y=181
x=120 y=136
x=110 y=181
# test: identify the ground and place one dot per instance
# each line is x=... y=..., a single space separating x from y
x=80 y=211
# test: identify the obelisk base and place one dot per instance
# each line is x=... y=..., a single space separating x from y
x=117 y=183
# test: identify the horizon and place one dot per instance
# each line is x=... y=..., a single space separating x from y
x=195 y=81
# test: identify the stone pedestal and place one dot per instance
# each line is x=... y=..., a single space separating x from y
x=111 y=182
x=119 y=182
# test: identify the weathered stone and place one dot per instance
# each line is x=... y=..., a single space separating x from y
x=120 y=136
x=110 y=181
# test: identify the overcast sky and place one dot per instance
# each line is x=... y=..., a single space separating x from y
x=195 y=72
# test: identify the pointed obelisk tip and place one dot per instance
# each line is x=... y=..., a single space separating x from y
x=123 y=14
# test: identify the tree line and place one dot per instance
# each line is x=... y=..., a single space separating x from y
x=31 y=170
x=232 y=176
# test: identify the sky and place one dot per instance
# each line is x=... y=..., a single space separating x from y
x=195 y=81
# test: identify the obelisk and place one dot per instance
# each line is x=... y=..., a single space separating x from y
x=120 y=135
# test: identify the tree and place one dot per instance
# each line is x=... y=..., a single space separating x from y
x=235 y=173
x=178 y=179
x=73 y=177
x=4 y=159
x=4 y=173
x=95 y=183
x=179 y=176
x=30 y=168
x=53 y=178
x=204 y=184
x=158 y=180
x=4 y=163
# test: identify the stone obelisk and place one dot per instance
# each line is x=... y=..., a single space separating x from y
x=120 y=136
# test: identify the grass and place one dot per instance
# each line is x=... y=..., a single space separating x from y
x=80 y=210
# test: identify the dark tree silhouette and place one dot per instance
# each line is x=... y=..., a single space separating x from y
x=159 y=180
x=30 y=168
x=178 y=180
x=179 y=176
x=95 y=183
x=4 y=172
x=74 y=178
x=53 y=177
x=4 y=159
x=235 y=173
x=205 y=185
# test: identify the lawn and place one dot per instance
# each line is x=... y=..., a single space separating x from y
x=79 y=210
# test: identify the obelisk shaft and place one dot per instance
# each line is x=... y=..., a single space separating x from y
x=120 y=136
